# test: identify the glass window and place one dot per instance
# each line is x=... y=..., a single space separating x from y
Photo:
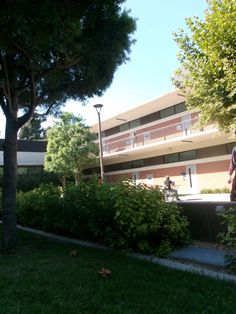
x=230 y=147
x=191 y=154
x=33 y=170
x=124 y=127
x=22 y=170
x=167 y=112
x=180 y=107
x=134 y=123
x=126 y=165
x=137 y=163
x=171 y=158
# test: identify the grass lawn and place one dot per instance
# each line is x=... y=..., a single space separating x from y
x=44 y=277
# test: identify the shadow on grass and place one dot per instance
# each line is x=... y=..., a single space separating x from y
x=45 y=277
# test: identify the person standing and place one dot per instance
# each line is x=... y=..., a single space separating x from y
x=231 y=180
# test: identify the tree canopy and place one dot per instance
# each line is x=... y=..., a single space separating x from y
x=207 y=73
x=54 y=50
x=71 y=148
x=51 y=51
x=33 y=129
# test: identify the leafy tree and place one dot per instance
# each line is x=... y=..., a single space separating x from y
x=71 y=148
x=33 y=130
x=207 y=75
x=51 y=51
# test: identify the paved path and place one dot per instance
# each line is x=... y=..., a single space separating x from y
x=206 y=197
x=208 y=256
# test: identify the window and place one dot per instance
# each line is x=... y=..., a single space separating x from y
x=134 y=123
x=171 y=158
x=137 y=163
x=230 y=147
x=180 y=107
x=191 y=154
x=167 y=112
x=22 y=170
x=149 y=179
x=126 y=165
x=124 y=127
x=33 y=170
x=150 y=118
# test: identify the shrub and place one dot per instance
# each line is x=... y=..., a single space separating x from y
x=28 y=182
x=39 y=208
x=215 y=191
x=121 y=215
x=0 y=203
x=146 y=223
x=229 y=218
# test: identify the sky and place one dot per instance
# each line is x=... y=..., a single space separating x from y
x=153 y=59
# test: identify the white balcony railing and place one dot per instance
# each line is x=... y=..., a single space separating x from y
x=133 y=140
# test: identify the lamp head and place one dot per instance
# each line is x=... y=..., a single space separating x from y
x=98 y=107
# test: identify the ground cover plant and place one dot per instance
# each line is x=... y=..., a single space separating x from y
x=215 y=191
x=121 y=215
x=45 y=276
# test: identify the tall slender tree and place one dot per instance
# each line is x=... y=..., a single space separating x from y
x=51 y=51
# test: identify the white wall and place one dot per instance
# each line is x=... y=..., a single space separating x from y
x=27 y=158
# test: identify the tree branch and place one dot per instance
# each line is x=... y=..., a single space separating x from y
x=8 y=91
x=3 y=105
x=23 y=119
x=23 y=51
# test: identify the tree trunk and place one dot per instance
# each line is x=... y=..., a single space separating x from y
x=9 y=239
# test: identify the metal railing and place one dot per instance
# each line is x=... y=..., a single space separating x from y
x=135 y=139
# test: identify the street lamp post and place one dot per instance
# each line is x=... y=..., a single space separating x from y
x=98 y=108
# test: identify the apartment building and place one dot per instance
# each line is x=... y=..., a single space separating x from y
x=161 y=138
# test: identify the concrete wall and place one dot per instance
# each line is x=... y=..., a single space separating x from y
x=205 y=223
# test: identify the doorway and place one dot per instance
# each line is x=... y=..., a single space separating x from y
x=186 y=124
x=192 y=180
x=135 y=177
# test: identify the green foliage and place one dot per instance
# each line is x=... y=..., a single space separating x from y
x=145 y=221
x=27 y=182
x=120 y=215
x=229 y=218
x=52 y=51
x=39 y=208
x=207 y=75
x=33 y=129
x=215 y=191
x=55 y=50
x=71 y=148
x=0 y=203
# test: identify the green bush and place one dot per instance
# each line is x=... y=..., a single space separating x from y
x=39 y=208
x=0 y=203
x=121 y=215
x=146 y=223
x=215 y=191
x=229 y=218
x=28 y=182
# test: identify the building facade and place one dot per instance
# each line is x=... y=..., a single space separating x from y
x=30 y=156
x=149 y=142
x=162 y=138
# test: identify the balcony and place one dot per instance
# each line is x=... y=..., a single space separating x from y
x=136 y=140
